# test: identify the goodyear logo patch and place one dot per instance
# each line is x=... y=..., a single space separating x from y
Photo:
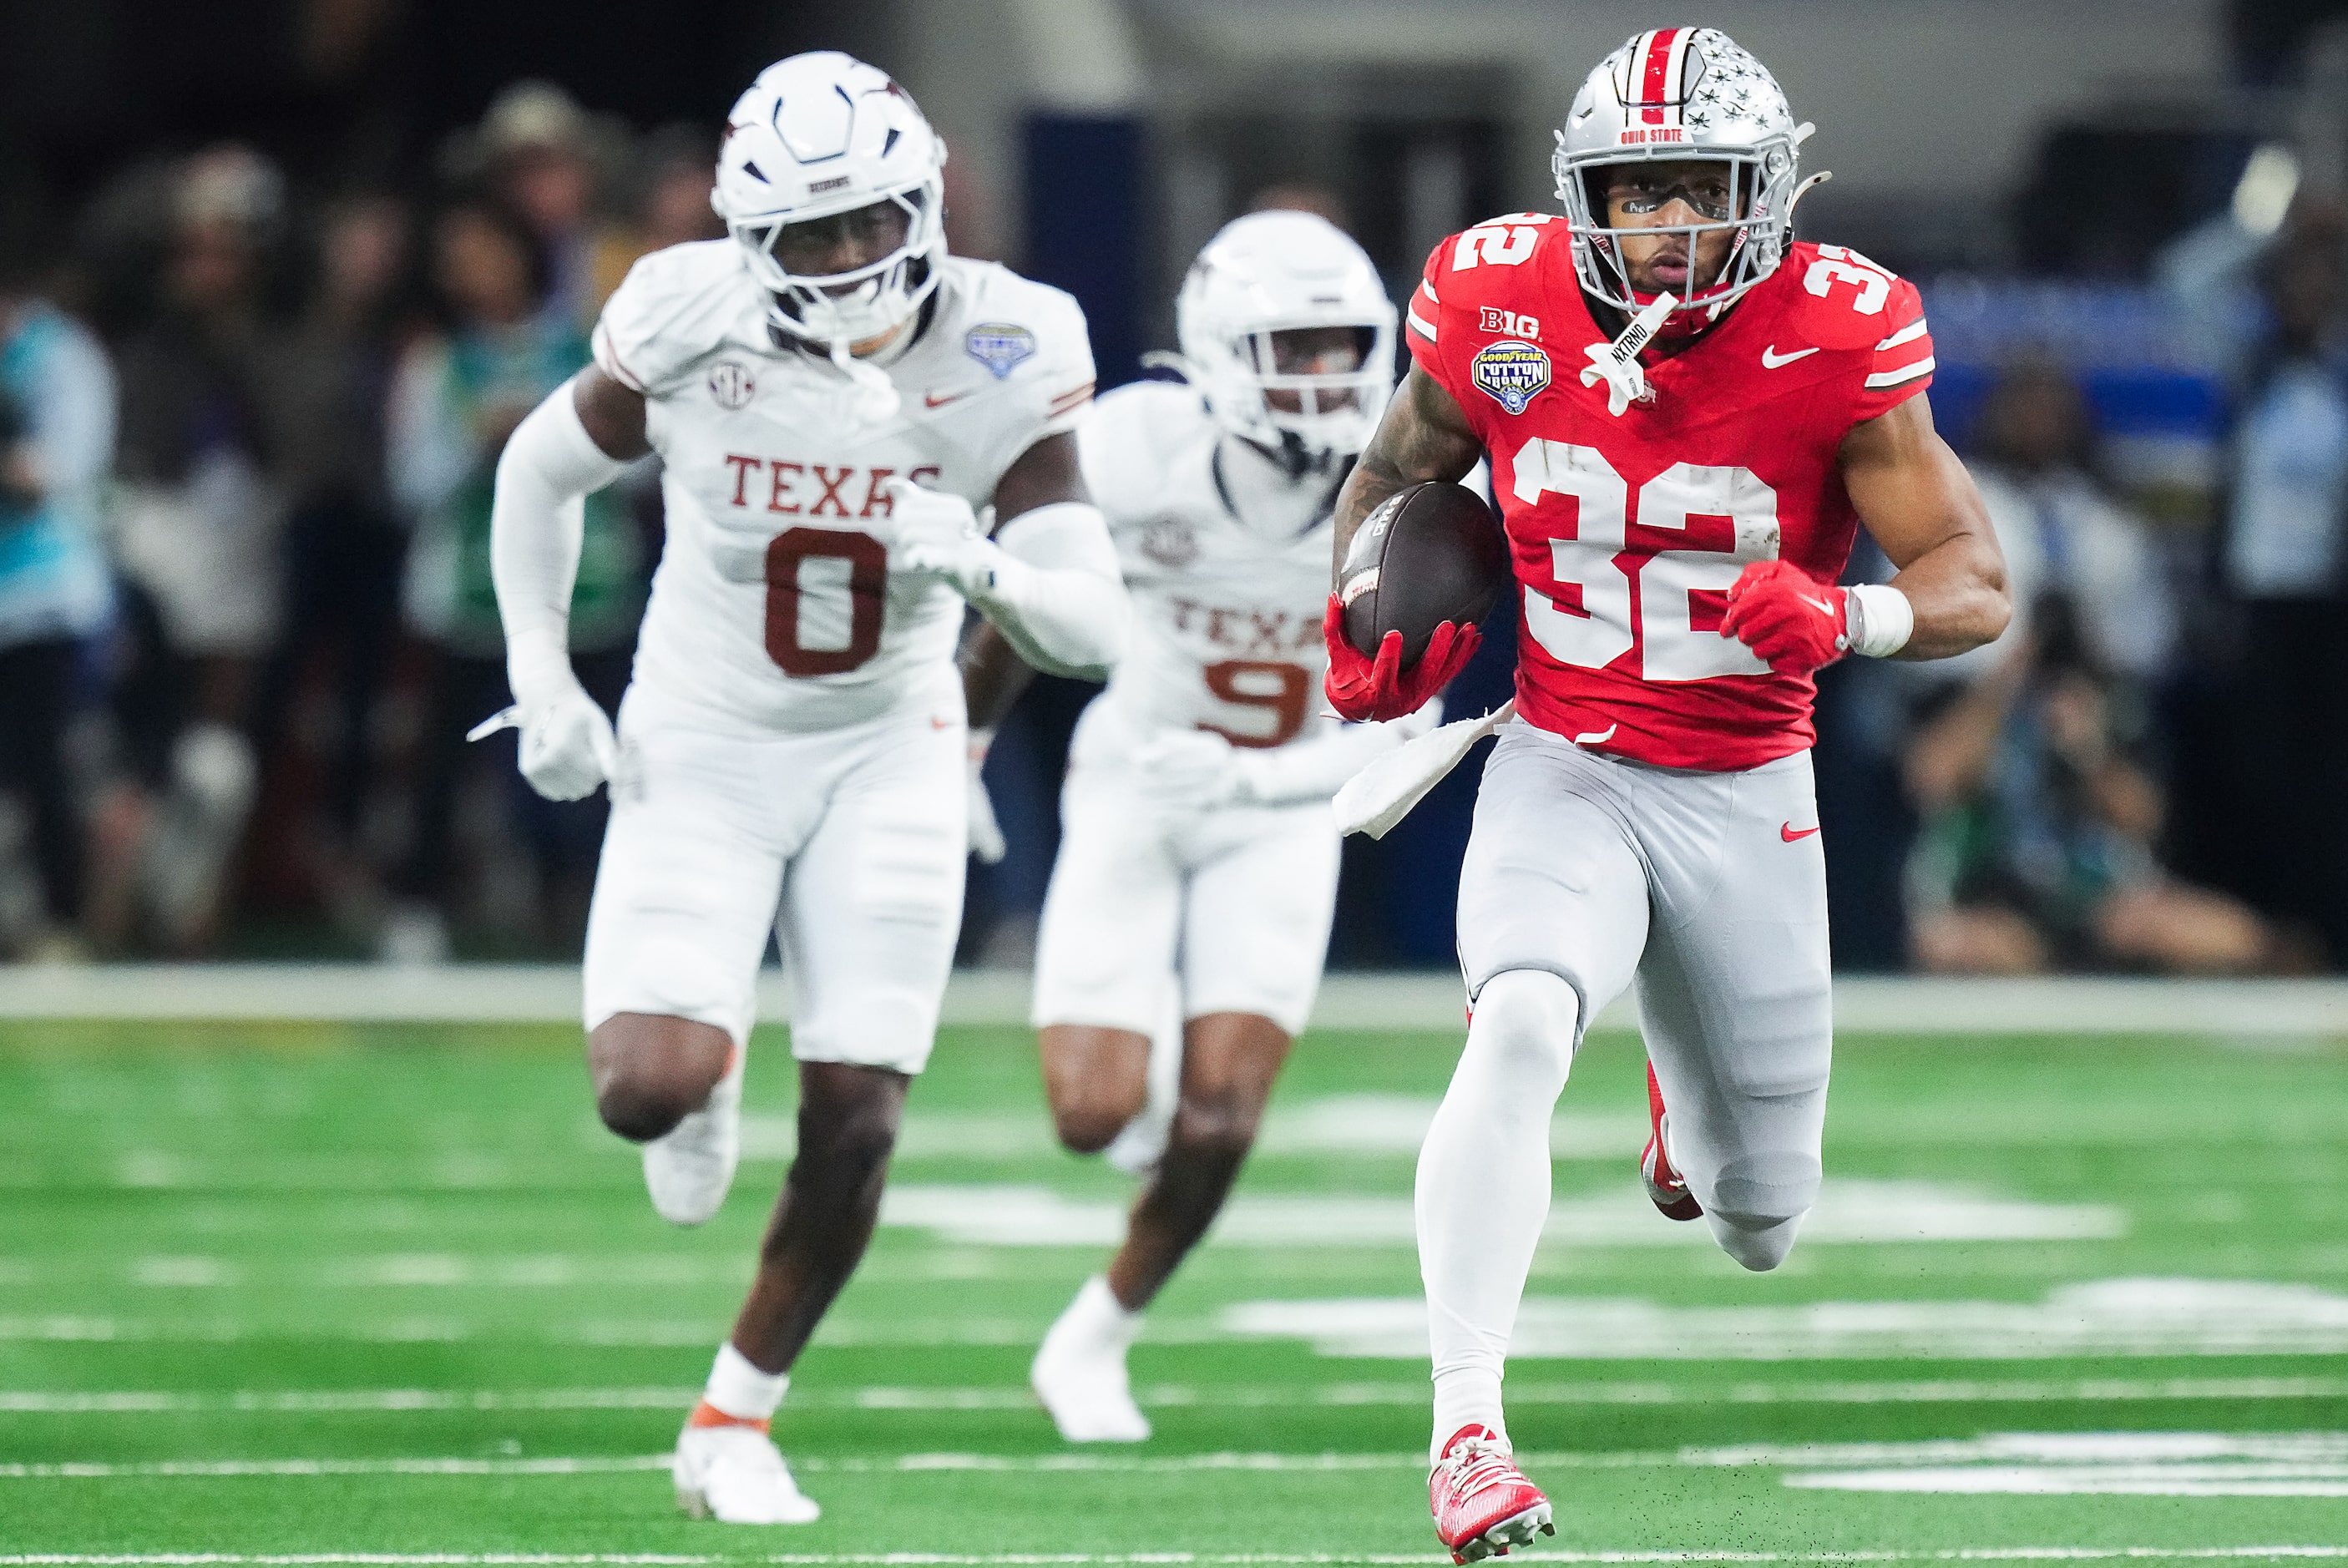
x=1000 y=345
x=1511 y=373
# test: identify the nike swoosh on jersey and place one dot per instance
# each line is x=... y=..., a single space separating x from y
x=1597 y=736
x=1771 y=359
x=931 y=400
x=1794 y=835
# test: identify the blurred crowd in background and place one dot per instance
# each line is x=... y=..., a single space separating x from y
x=248 y=422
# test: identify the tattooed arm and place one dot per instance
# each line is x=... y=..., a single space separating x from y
x=1424 y=435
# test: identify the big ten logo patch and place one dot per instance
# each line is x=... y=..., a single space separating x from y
x=814 y=489
x=731 y=385
x=1000 y=345
x=1511 y=323
x=1248 y=630
x=1512 y=373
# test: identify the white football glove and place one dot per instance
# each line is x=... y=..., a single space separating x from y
x=1187 y=769
x=986 y=832
x=934 y=534
x=567 y=745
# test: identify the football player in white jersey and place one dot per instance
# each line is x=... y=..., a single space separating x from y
x=1190 y=905
x=834 y=399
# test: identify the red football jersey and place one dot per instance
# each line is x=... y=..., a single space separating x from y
x=1626 y=533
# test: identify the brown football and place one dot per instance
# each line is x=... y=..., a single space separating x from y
x=1431 y=553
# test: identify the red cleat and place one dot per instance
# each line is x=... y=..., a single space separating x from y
x=1664 y=1185
x=1482 y=1503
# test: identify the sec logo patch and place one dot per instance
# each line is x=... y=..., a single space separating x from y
x=1511 y=373
x=1000 y=345
x=730 y=384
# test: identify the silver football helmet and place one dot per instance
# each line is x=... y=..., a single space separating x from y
x=1277 y=271
x=1680 y=93
x=823 y=144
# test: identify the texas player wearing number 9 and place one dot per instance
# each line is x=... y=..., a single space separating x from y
x=1679 y=508
x=832 y=396
x=1188 y=919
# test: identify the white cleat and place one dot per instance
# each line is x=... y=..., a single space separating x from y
x=736 y=1475
x=1079 y=1372
x=689 y=1171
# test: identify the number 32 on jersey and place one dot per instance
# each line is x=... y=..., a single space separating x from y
x=1602 y=597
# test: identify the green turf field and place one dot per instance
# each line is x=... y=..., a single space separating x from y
x=324 y=1292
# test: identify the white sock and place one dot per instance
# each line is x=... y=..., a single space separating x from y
x=740 y=1390
x=1098 y=1317
x=1483 y=1187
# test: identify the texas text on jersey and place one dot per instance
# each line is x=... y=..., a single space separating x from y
x=1227 y=562
x=1626 y=533
x=773 y=608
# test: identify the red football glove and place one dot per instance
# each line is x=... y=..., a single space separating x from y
x=1794 y=622
x=1362 y=688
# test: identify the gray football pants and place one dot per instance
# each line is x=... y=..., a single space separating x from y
x=1709 y=889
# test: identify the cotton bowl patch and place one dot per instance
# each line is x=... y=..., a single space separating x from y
x=1512 y=373
x=1000 y=345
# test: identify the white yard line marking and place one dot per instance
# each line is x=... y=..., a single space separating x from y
x=2090 y=1480
x=1851 y=1209
x=2184 y=1456
x=489 y=993
x=2153 y=1316
x=1017 y=1397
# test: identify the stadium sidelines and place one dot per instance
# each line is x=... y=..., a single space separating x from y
x=2248 y=1009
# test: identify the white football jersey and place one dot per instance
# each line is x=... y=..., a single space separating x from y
x=1227 y=559
x=772 y=608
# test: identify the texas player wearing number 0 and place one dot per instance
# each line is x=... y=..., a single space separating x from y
x=833 y=398
x=1687 y=416
x=1189 y=913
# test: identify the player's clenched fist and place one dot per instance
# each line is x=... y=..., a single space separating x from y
x=567 y=745
x=1363 y=689
x=1794 y=623
x=935 y=532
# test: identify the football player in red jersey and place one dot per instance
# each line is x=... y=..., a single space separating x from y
x=1687 y=416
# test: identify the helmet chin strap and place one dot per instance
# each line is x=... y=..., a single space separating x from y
x=1292 y=456
x=872 y=396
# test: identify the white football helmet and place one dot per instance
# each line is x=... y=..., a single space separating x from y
x=1270 y=273
x=817 y=136
x=1676 y=93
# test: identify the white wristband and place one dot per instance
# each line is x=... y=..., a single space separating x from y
x=1881 y=619
x=538 y=665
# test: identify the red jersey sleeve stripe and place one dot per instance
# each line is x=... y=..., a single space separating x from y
x=1421 y=324
x=1427 y=287
x=609 y=357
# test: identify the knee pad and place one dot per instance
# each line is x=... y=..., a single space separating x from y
x=1756 y=1205
x=1527 y=1015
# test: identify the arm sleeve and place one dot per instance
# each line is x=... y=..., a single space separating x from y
x=1057 y=597
x=1316 y=768
x=1902 y=363
x=536 y=523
